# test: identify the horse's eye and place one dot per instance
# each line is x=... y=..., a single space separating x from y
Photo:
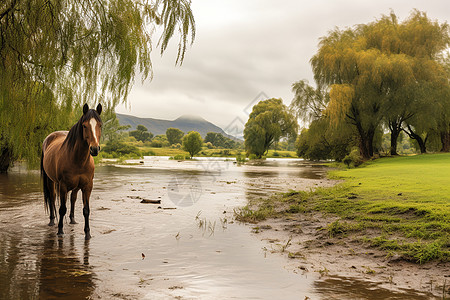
x=84 y=126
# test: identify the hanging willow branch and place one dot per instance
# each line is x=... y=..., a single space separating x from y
x=76 y=51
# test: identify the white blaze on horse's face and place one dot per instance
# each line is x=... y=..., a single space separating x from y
x=93 y=123
x=92 y=132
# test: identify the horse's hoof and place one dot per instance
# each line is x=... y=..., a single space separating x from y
x=60 y=233
x=87 y=237
x=51 y=223
x=72 y=221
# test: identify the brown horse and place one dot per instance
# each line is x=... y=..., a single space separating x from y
x=67 y=165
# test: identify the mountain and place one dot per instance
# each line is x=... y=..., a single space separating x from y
x=185 y=123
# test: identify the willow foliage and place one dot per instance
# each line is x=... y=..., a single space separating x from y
x=310 y=103
x=56 y=54
x=369 y=68
x=269 y=121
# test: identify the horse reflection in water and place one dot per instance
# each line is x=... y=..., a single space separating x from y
x=67 y=165
x=63 y=275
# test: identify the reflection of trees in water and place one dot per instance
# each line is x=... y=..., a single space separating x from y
x=17 y=274
x=48 y=269
x=18 y=187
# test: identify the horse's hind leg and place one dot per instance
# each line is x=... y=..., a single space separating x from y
x=73 y=199
x=51 y=202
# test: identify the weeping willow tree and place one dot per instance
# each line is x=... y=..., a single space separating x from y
x=370 y=69
x=56 y=54
x=269 y=121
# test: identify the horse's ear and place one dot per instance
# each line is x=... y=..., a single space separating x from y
x=85 y=108
x=99 y=108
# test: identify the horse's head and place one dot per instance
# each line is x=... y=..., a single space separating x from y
x=92 y=128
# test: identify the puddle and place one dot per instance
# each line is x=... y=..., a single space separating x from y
x=187 y=247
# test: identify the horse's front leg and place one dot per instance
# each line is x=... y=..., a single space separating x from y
x=86 y=211
x=73 y=199
x=62 y=208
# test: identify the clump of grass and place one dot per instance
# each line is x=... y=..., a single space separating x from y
x=336 y=228
x=295 y=209
x=423 y=252
x=285 y=246
x=246 y=214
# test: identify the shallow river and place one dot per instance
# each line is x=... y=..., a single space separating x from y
x=187 y=247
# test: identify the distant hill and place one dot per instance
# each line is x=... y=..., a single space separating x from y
x=185 y=123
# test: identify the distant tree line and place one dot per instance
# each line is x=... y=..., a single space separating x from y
x=118 y=141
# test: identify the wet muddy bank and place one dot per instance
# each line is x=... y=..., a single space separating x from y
x=310 y=250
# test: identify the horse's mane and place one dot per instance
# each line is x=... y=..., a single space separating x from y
x=77 y=130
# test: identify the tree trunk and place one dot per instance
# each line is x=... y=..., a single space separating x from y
x=394 y=137
x=418 y=138
x=395 y=128
x=445 y=140
x=365 y=142
x=422 y=146
x=6 y=158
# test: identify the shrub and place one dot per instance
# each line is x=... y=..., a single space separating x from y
x=252 y=156
x=156 y=144
x=354 y=158
x=240 y=158
x=119 y=148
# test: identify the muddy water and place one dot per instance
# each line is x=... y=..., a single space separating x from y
x=187 y=247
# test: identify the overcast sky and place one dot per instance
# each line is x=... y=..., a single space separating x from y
x=243 y=48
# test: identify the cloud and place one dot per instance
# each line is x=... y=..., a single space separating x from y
x=245 y=47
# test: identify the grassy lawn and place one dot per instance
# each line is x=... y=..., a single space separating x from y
x=400 y=205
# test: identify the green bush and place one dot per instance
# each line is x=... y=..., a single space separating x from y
x=240 y=158
x=175 y=146
x=118 y=148
x=354 y=158
x=156 y=144
x=252 y=156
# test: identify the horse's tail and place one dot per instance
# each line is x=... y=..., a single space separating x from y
x=45 y=180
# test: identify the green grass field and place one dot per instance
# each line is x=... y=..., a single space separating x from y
x=400 y=205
